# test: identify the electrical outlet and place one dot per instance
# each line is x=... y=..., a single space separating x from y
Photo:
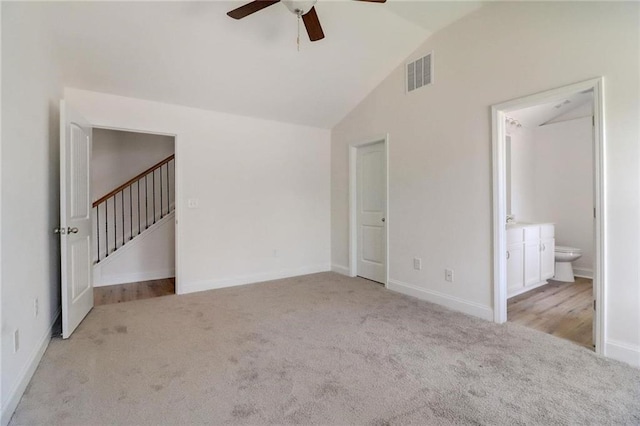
x=16 y=340
x=448 y=275
x=193 y=203
x=35 y=307
x=417 y=263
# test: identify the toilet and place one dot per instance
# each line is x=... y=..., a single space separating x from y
x=564 y=256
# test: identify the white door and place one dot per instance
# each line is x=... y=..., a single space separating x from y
x=75 y=218
x=515 y=268
x=371 y=210
x=531 y=263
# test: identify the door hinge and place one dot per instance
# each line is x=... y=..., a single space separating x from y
x=594 y=212
x=594 y=305
x=593 y=121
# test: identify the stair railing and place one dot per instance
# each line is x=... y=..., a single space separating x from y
x=134 y=206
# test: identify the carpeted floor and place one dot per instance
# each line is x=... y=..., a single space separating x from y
x=318 y=349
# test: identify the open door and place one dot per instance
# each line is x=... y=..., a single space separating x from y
x=75 y=218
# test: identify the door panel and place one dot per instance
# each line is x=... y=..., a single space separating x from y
x=515 y=268
x=531 y=263
x=371 y=210
x=75 y=218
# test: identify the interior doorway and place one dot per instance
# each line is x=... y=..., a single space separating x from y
x=369 y=210
x=133 y=215
x=548 y=212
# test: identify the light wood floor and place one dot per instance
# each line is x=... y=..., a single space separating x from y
x=561 y=309
x=133 y=291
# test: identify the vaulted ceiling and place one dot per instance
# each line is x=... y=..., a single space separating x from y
x=193 y=54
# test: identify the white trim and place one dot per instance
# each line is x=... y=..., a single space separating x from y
x=499 y=197
x=353 y=219
x=15 y=394
x=623 y=352
x=340 y=269
x=253 y=279
x=451 y=302
x=583 y=272
x=526 y=289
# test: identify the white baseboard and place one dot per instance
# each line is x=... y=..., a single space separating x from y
x=101 y=280
x=26 y=374
x=526 y=289
x=583 y=272
x=623 y=352
x=340 y=269
x=250 y=279
x=451 y=302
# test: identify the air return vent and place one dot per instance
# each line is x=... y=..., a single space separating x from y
x=419 y=73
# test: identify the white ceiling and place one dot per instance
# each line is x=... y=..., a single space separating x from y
x=191 y=53
x=540 y=115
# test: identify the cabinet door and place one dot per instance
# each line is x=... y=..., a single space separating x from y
x=547 y=261
x=515 y=268
x=532 y=263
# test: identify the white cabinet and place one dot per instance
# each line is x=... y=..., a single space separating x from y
x=530 y=257
x=515 y=266
x=547 y=252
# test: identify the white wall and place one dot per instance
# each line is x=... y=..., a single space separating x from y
x=440 y=172
x=30 y=196
x=523 y=187
x=119 y=156
x=563 y=158
x=149 y=256
x=262 y=188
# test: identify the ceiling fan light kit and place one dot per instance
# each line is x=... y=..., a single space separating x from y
x=304 y=9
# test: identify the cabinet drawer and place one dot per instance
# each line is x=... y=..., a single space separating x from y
x=547 y=231
x=514 y=235
x=532 y=233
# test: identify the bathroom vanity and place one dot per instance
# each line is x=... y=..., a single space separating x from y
x=530 y=256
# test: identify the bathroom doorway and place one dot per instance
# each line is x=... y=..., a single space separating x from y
x=548 y=221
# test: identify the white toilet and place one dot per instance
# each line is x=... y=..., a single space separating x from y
x=564 y=256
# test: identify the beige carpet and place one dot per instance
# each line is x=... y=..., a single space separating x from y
x=318 y=349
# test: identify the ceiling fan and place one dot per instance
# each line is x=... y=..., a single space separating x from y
x=304 y=9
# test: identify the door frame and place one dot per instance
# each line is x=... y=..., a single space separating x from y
x=177 y=191
x=353 y=197
x=498 y=112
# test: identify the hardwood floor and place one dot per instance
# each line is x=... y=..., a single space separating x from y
x=561 y=309
x=133 y=291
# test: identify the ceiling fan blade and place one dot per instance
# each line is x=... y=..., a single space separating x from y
x=250 y=8
x=312 y=24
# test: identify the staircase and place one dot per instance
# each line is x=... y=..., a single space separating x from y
x=135 y=206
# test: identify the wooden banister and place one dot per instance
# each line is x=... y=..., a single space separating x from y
x=132 y=180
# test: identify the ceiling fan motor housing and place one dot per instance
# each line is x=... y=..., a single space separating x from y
x=299 y=7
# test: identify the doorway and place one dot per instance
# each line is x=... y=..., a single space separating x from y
x=537 y=227
x=133 y=193
x=368 y=207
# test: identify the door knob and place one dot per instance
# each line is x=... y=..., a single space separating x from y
x=72 y=230
x=383 y=219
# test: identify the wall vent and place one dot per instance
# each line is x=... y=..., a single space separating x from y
x=420 y=73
